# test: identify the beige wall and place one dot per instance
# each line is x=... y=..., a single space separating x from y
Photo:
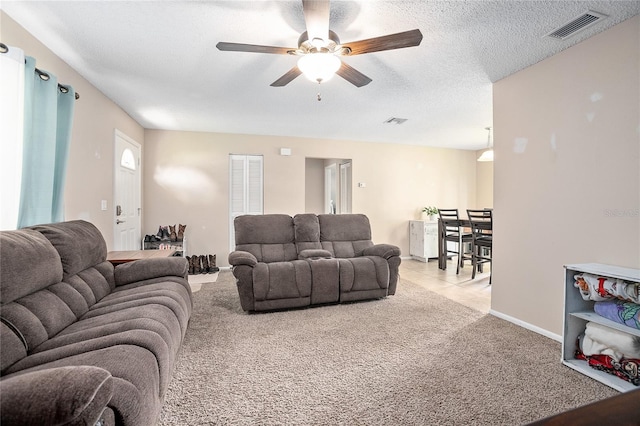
x=567 y=171
x=314 y=185
x=187 y=176
x=484 y=183
x=90 y=170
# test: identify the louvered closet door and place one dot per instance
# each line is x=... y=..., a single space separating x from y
x=246 y=184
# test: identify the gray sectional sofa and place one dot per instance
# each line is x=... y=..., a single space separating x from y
x=289 y=262
x=82 y=342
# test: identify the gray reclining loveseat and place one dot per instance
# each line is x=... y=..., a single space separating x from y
x=83 y=343
x=287 y=262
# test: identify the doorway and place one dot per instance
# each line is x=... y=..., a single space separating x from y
x=330 y=189
x=328 y=185
x=127 y=193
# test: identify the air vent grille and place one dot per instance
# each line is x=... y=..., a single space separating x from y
x=577 y=24
x=395 y=120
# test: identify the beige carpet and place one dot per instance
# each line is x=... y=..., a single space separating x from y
x=415 y=358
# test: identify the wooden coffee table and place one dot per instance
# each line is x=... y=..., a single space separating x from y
x=118 y=257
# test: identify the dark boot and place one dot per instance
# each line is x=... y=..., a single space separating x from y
x=212 y=263
x=190 y=262
x=165 y=233
x=172 y=233
x=181 y=229
x=205 y=264
x=196 y=264
x=159 y=234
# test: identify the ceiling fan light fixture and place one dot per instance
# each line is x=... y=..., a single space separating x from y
x=319 y=66
x=488 y=154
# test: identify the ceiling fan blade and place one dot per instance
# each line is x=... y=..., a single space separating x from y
x=239 y=47
x=352 y=75
x=316 y=16
x=388 y=42
x=287 y=78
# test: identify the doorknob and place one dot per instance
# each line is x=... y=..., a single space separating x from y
x=118 y=221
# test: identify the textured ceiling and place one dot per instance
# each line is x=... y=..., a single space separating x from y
x=158 y=61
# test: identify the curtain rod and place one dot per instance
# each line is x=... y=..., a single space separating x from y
x=43 y=75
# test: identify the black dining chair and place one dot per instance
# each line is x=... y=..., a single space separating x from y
x=453 y=231
x=482 y=238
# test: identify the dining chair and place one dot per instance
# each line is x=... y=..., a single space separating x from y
x=481 y=222
x=453 y=231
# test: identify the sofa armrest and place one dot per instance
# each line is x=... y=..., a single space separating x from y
x=145 y=269
x=383 y=250
x=63 y=395
x=239 y=257
x=314 y=254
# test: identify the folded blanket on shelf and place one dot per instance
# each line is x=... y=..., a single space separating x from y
x=593 y=287
x=626 y=368
x=601 y=340
x=620 y=311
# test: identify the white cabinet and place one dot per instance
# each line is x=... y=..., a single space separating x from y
x=577 y=312
x=423 y=240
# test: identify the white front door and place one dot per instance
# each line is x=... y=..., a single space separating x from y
x=127 y=206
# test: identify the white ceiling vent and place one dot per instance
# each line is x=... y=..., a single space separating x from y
x=394 y=120
x=576 y=25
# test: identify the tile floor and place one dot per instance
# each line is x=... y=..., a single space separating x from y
x=475 y=294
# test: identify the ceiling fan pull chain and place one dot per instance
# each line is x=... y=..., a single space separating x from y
x=319 y=97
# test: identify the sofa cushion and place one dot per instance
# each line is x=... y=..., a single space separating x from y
x=163 y=357
x=270 y=237
x=42 y=314
x=145 y=269
x=28 y=263
x=171 y=295
x=282 y=280
x=345 y=235
x=344 y=227
x=14 y=348
x=363 y=273
x=67 y=395
x=79 y=243
x=307 y=232
x=135 y=379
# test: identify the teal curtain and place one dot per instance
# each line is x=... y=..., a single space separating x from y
x=48 y=117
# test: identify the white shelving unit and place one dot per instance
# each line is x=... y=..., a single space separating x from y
x=423 y=240
x=577 y=312
x=179 y=246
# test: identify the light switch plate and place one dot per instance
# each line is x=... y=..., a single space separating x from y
x=103 y=205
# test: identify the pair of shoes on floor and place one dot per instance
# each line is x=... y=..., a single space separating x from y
x=203 y=264
x=151 y=239
x=163 y=233
x=168 y=233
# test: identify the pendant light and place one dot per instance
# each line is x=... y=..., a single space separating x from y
x=488 y=154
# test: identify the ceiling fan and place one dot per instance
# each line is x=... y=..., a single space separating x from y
x=319 y=48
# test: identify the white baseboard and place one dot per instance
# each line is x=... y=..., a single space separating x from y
x=526 y=325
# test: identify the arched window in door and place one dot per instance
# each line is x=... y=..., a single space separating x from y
x=128 y=160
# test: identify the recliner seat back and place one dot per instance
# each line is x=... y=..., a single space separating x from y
x=270 y=237
x=307 y=232
x=345 y=235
